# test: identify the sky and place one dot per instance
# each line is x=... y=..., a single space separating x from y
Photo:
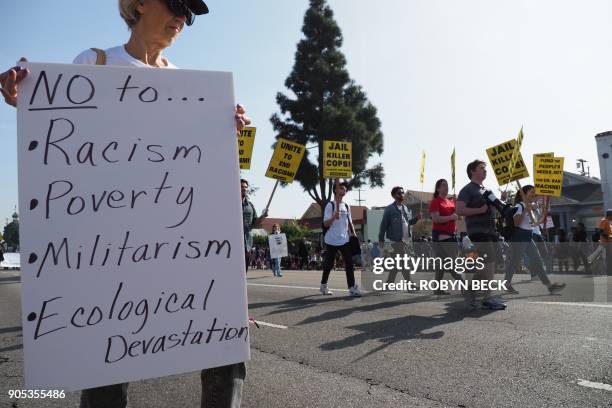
x=443 y=74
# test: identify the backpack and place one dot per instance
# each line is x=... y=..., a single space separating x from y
x=509 y=227
x=100 y=56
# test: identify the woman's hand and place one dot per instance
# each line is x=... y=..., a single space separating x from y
x=9 y=82
x=241 y=119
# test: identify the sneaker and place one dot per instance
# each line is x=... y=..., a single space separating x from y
x=556 y=287
x=493 y=304
x=354 y=291
x=510 y=289
x=441 y=292
x=325 y=290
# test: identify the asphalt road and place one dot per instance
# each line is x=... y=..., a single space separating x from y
x=389 y=349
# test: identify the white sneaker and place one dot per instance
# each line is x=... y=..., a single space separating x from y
x=354 y=291
x=325 y=290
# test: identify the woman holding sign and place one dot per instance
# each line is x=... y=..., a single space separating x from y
x=521 y=241
x=154 y=26
x=276 y=262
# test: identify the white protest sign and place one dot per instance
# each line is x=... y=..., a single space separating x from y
x=278 y=245
x=131 y=225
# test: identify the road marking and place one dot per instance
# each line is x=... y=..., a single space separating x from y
x=276 y=326
x=293 y=287
x=574 y=304
x=596 y=385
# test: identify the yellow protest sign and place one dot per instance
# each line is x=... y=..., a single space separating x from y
x=500 y=157
x=551 y=154
x=516 y=152
x=285 y=160
x=245 y=147
x=548 y=175
x=337 y=159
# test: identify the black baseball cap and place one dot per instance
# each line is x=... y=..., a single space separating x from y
x=197 y=7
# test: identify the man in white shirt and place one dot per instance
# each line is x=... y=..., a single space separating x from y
x=338 y=222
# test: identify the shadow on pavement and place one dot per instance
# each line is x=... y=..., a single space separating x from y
x=391 y=331
x=4 y=330
x=11 y=348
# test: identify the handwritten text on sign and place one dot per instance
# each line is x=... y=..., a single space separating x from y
x=548 y=175
x=245 y=147
x=130 y=223
x=285 y=160
x=337 y=160
x=500 y=157
x=278 y=245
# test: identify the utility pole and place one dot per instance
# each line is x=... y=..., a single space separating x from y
x=580 y=165
x=359 y=200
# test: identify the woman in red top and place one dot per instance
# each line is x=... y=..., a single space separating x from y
x=443 y=215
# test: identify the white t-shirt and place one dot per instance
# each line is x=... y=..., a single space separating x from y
x=114 y=56
x=526 y=223
x=405 y=226
x=337 y=234
x=536 y=228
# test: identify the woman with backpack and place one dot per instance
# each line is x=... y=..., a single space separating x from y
x=522 y=243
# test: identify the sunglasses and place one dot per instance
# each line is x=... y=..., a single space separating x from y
x=180 y=9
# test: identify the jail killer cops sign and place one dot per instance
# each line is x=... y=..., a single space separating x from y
x=131 y=227
x=337 y=159
x=500 y=157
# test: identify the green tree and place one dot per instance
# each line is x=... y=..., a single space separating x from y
x=327 y=105
x=11 y=234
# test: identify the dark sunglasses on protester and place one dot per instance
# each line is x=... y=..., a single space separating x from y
x=187 y=8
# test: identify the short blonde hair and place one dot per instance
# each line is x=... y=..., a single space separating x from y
x=129 y=14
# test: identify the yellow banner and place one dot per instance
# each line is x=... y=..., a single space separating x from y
x=285 y=160
x=245 y=147
x=548 y=175
x=422 y=176
x=337 y=159
x=500 y=157
x=453 y=169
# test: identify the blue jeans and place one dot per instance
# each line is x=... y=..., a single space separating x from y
x=221 y=388
x=521 y=244
x=276 y=266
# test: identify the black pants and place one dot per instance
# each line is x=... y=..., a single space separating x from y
x=330 y=256
x=221 y=388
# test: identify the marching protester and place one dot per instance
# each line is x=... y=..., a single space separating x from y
x=605 y=240
x=395 y=226
x=443 y=215
x=276 y=262
x=480 y=224
x=579 y=237
x=522 y=243
x=538 y=238
x=154 y=26
x=339 y=224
